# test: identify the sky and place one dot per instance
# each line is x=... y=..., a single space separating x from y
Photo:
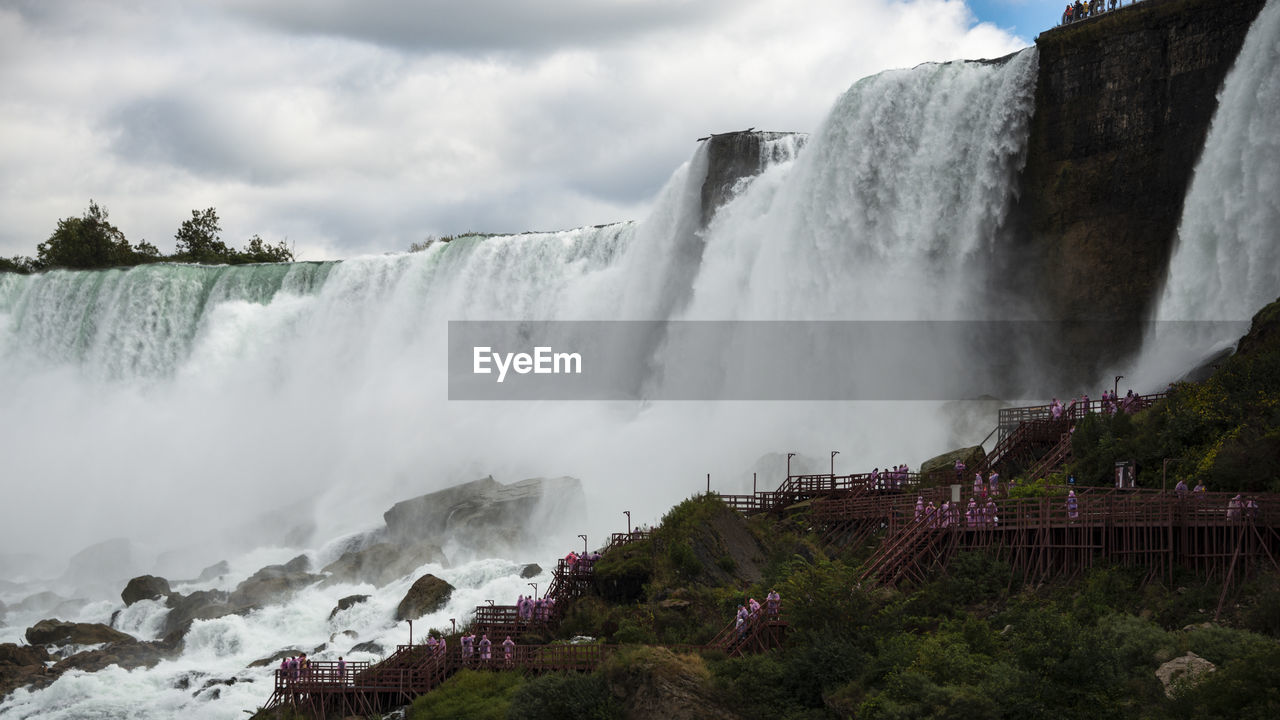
x=351 y=128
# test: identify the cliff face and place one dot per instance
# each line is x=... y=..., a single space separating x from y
x=734 y=156
x=1123 y=105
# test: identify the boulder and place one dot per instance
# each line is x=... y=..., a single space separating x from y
x=367 y=647
x=22 y=665
x=531 y=570
x=274 y=660
x=128 y=655
x=40 y=601
x=347 y=602
x=56 y=632
x=214 y=571
x=380 y=564
x=427 y=595
x=199 y=605
x=273 y=584
x=23 y=655
x=1183 y=671
x=144 y=587
x=485 y=516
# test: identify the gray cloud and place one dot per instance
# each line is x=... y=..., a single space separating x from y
x=479 y=25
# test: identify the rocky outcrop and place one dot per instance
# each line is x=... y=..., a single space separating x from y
x=57 y=632
x=380 y=564
x=273 y=583
x=21 y=665
x=1183 y=671
x=367 y=647
x=145 y=587
x=1123 y=105
x=427 y=595
x=530 y=571
x=734 y=157
x=485 y=516
x=214 y=571
x=348 y=602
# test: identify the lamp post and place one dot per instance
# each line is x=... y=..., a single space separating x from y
x=1116 y=388
x=834 y=453
x=410 y=633
x=789 y=456
x=454 y=622
x=535 y=589
x=628 y=514
x=584 y=544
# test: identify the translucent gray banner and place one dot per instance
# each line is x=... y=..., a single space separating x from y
x=797 y=360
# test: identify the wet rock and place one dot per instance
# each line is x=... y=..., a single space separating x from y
x=381 y=563
x=22 y=665
x=274 y=660
x=486 y=517
x=22 y=655
x=348 y=634
x=144 y=587
x=39 y=601
x=427 y=595
x=1183 y=671
x=57 y=632
x=127 y=654
x=368 y=647
x=531 y=570
x=273 y=584
x=199 y=605
x=348 y=602
x=216 y=570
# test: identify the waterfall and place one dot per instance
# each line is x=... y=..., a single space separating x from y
x=320 y=388
x=1226 y=260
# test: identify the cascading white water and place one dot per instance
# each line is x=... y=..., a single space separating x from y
x=1226 y=260
x=172 y=403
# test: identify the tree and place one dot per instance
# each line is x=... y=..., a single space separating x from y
x=17 y=264
x=198 y=239
x=90 y=241
x=258 y=251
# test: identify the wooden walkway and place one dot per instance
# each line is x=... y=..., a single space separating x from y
x=413 y=670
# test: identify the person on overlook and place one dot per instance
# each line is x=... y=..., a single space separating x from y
x=508 y=649
x=960 y=468
x=919 y=507
x=945 y=514
x=1198 y=490
x=1181 y=489
x=931 y=514
x=971 y=513
x=467 y=641
x=485 y=647
x=342 y=670
x=1073 y=510
x=752 y=606
x=1066 y=15
x=993 y=481
x=979 y=485
x=1234 y=506
x=772 y=603
x=1251 y=509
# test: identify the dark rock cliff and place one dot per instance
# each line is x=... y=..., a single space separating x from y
x=735 y=156
x=1123 y=106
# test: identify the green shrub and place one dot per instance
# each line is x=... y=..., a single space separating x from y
x=557 y=696
x=469 y=695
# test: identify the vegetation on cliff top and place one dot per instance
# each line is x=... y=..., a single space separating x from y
x=91 y=242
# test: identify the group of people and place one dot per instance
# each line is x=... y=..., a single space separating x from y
x=581 y=563
x=1238 y=507
x=482 y=649
x=1110 y=404
x=772 y=606
x=534 y=609
x=986 y=488
x=890 y=479
x=975 y=515
x=298 y=668
x=1081 y=10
